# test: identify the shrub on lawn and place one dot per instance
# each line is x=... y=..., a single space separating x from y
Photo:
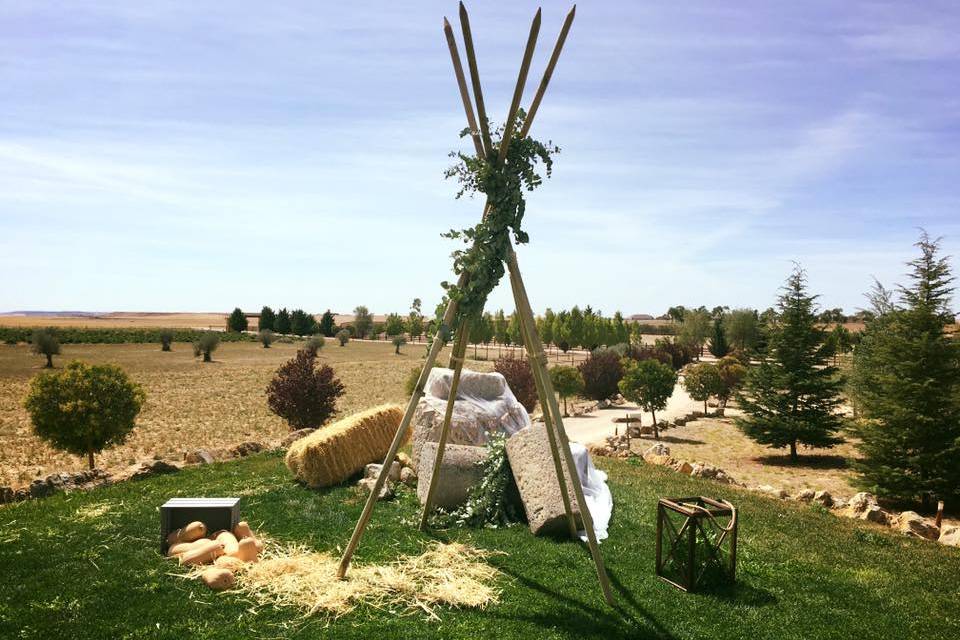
x=84 y=408
x=314 y=344
x=302 y=394
x=398 y=341
x=601 y=373
x=45 y=343
x=650 y=384
x=266 y=337
x=166 y=339
x=343 y=336
x=205 y=345
x=519 y=379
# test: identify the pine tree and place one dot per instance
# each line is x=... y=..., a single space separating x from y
x=302 y=323
x=282 y=323
x=237 y=321
x=327 y=325
x=267 y=319
x=718 y=343
x=792 y=396
x=906 y=384
x=575 y=327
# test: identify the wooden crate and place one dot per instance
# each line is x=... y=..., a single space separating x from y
x=216 y=513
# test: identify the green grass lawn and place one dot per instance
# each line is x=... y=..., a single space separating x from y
x=88 y=566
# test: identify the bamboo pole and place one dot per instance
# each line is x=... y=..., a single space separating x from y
x=518 y=90
x=547 y=421
x=462 y=85
x=475 y=79
x=517 y=282
x=548 y=73
x=456 y=360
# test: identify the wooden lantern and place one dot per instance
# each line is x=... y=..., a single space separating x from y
x=696 y=542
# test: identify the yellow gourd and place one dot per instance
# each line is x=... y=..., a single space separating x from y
x=189 y=533
x=218 y=579
x=204 y=552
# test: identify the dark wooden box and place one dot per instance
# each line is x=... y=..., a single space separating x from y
x=216 y=513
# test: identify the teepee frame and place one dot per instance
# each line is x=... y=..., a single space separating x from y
x=552 y=417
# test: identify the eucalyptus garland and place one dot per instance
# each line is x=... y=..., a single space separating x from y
x=488 y=503
x=488 y=242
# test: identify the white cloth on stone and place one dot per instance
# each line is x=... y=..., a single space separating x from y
x=595 y=491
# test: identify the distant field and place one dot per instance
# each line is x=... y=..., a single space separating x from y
x=120 y=319
x=190 y=404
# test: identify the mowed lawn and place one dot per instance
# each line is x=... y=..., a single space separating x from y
x=87 y=565
x=190 y=404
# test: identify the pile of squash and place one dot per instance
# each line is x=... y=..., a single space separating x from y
x=225 y=550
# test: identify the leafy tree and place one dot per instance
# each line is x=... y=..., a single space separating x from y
x=601 y=373
x=677 y=313
x=267 y=319
x=166 y=339
x=743 y=329
x=833 y=315
x=650 y=384
x=266 y=337
x=702 y=382
x=718 y=342
x=314 y=344
x=327 y=324
x=500 y=327
x=44 y=342
x=840 y=340
x=303 y=394
x=513 y=329
x=282 y=322
x=83 y=408
x=731 y=373
x=398 y=341
x=792 y=396
x=519 y=378
x=621 y=332
x=394 y=325
x=302 y=323
x=545 y=326
x=561 y=331
x=481 y=330
x=695 y=329
x=237 y=321
x=906 y=384
x=205 y=345
x=343 y=336
x=575 y=327
x=415 y=320
x=567 y=382
x=362 y=321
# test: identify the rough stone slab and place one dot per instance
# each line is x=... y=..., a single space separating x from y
x=372 y=470
x=913 y=524
x=459 y=471
x=531 y=461
x=950 y=535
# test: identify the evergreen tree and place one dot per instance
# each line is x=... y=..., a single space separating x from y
x=302 y=323
x=282 y=322
x=906 y=384
x=500 y=327
x=575 y=328
x=561 y=331
x=545 y=326
x=267 y=319
x=237 y=321
x=718 y=343
x=792 y=396
x=327 y=325
x=621 y=332
x=513 y=329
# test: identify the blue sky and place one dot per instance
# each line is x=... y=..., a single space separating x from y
x=195 y=156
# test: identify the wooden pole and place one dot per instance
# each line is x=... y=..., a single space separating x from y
x=475 y=79
x=547 y=421
x=462 y=84
x=511 y=122
x=517 y=282
x=456 y=361
x=548 y=73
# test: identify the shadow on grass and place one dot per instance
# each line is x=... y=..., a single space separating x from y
x=741 y=594
x=809 y=462
x=678 y=440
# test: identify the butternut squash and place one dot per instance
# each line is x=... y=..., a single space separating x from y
x=243 y=530
x=204 y=552
x=179 y=549
x=229 y=541
x=218 y=578
x=246 y=550
x=229 y=562
x=189 y=533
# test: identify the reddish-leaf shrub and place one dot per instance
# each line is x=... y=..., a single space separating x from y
x=601 y=373
x=302 y=394
x=519 y=379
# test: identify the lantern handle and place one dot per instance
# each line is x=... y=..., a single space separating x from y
x=713 y=519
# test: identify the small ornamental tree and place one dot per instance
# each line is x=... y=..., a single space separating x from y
x=398 y=341
x=265 y=336
x=166 y=339
x=314 y=344
x=731 y=374
x=237 y=321
x=650 y=384
x=792 y=397
x=719 y=346
x=742 y=329
x=415 y=324
x=520 y=380
x=394 y=326
x=362 y=321
x=267 y=319
x=567 y=382
x=326 y=327
x=303 y=394
x=83 y=408
x=205 y=345
x=282 y=322
x=701 y=382
x=44 y=342
x=695 y=329
x=601 y=373
x=343 y=336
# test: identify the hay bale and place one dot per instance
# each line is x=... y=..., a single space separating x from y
x=459 y=471
x=332 y=454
